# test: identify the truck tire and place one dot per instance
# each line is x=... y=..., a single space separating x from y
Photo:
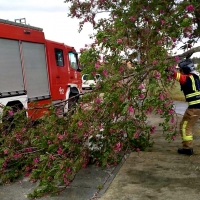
x=7 y=118
x=73 y=99
x=72 y=102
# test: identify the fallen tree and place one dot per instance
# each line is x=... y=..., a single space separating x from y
x=103 y=127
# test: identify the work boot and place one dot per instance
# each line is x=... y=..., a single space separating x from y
x=185 y=151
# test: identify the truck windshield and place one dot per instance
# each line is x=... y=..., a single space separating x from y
x=73 y=60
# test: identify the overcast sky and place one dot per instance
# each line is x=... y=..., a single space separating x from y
x=51 y=16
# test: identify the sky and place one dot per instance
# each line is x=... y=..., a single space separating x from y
x=51 y=16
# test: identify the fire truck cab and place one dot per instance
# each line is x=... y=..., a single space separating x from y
x=36 y=71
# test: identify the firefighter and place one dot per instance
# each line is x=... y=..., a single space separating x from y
x=189 y=81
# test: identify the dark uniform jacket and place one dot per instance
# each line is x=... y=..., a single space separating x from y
x=190 y=85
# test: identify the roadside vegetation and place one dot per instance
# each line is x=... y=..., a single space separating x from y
x=176 y=93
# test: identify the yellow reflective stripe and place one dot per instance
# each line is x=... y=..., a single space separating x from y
x=178 y=75
x=193 y=102
x=193 y=83
x=192 y=94
x=184 y=136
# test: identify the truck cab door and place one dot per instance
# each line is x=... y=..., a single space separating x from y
x=58 y=72
x=74 y=71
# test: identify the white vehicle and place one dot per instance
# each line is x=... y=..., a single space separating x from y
x=89 y=82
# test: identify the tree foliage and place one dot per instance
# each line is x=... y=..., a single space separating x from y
x=113 y=117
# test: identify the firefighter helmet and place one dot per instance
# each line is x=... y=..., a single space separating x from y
x=187 y=66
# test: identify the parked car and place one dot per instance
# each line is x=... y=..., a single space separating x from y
x=89 y=81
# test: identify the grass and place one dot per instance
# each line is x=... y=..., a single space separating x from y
x=176 y=93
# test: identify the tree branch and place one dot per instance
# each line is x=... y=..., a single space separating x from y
x=189 y=52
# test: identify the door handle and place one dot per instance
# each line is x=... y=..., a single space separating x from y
x=57 y=76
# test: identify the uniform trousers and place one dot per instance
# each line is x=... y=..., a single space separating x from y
x=187 y=123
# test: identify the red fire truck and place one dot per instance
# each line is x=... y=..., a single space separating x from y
x=36 y=71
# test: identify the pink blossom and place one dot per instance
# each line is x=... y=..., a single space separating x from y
x=138 y=149
x=60 y=151
x=81 y=49
x=101 y=1
x=121 y=69
x=157 y=29
x=190 y=8
x=10 y=112
x=172 y=120
x=97 y=65
x=29 y=149
x=173 y=137
x=159 y=111
x=131 y=109
x=154 y=62
x=85 y=135
x=157 y=74
x=117 y=147
x=169 y=78
x=171 y=111
x=141 y=87
x=159 y=42
x=136 y=134
x=97 y=100
x=149 y=110
x=162 y=22
x=68 y=169
x=119 y=41
x=105 y=72
x=60 y=136
x=5 y=164
x=132 y=18
x=152 y=130
x=167 y=103
x=105 y=40
x=94 y=73
x=161 y=97
x=174 y=39
x=85 y=164
x=122 y=99
x=5 y=151
x=23 y=130
x=101 y=128
x=52 y=157
x=176 y=58
x=66 y=181
x=141 y=96
x=36 y=160
x=48 y=142
x=18 y=155
x=80 y=123
x=65 y=133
